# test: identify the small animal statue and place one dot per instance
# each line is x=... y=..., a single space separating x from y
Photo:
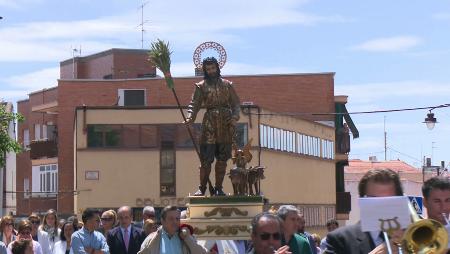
x=238 y=178
x=239 y=173
x=254 y=176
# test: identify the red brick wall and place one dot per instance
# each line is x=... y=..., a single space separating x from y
x=26 y=206
x=121 y=64
x=131 y=65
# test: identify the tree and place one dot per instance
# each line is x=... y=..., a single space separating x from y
x=7 y=143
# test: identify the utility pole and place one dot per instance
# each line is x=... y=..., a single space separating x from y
x=432 y=151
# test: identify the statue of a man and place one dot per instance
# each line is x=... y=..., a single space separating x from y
x=217 y=95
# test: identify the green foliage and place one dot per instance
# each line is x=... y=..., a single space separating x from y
x=160 y=56
x=7 y=144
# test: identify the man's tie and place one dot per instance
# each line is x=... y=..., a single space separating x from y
x=126 y=238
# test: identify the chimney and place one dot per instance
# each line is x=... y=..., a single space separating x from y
x=373 y=158
x=198 y=72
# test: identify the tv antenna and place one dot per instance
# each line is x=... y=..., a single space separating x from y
x=142 y=23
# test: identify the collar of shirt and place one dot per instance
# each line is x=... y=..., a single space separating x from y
x=375 y=235
x=128 y=228
x=169 y=244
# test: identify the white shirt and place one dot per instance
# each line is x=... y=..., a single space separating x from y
x=43 y=240
x=61 y=247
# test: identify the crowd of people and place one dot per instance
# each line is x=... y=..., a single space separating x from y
x=279 y=231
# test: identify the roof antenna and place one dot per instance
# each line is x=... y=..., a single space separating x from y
x=142 y=23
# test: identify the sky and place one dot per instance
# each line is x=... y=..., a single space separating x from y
x=386 y=54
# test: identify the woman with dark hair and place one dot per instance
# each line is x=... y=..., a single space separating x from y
x=64 y=245
x=50 y=225
x=7 y=234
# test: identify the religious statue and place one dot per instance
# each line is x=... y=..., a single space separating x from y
x=222 y=105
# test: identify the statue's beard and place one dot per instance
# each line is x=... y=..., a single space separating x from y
x=212 y=77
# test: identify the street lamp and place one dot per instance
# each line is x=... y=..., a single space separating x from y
x=430 y=121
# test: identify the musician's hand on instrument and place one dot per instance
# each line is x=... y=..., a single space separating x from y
x=188 y=120
x=382 y=249
x=283 y=250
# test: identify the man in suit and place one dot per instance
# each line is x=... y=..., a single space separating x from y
x=125 y=238
x=147 y=213
x=350 y=239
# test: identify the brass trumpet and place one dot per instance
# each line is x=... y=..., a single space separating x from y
x=424 y=235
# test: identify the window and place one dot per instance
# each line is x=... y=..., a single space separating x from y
x=167 y=160
x=26 y=138
x=104 y=135
x=37 y=132
x=294 y=142
x=130 y=135
x=51 y=132
x=44 y=131
x=45 y=180
x=132 y=97
x=26 y=188
x=149 y=136
x=241 y=134
x=183 y=138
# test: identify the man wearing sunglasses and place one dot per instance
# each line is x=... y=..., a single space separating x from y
x=39 y=235
x=266 y=235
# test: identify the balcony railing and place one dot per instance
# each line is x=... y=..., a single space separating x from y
x=343 y=202
x=43 y=149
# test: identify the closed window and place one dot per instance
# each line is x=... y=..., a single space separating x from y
x=132 y=97
x=37 y=132
x=26 y=138
x=104 y=135
x=167 y=160
x=45 y=180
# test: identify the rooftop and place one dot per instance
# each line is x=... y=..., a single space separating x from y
x=360 y=166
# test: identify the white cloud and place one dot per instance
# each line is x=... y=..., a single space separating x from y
x=33 y=81
x=397 y=43
x=377 y=92
x=18 y=87
x=185 y=26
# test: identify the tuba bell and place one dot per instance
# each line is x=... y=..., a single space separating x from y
x=424 y=235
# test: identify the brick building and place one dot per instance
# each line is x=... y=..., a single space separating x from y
x=123 y=78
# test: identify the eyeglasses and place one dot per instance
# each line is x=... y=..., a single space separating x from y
x=107 y=219
x=266 y=236
x=8 y=224
x=35 y=222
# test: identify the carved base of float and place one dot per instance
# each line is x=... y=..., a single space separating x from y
x=227 y=217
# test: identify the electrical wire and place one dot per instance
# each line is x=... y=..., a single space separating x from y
x=352 y=113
